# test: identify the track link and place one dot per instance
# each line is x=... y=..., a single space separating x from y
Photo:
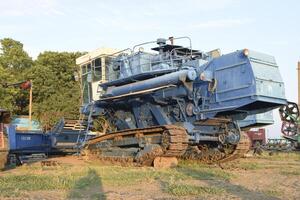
x=240 y=150
x=209 y=155
x=171 y=141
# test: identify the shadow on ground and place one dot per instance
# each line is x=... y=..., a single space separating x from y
x=215 y=180
x=88 y=187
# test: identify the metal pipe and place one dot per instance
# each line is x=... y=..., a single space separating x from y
x=167 y=79
x=208 y=138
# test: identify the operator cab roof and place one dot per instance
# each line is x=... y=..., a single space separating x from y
x=179 y=49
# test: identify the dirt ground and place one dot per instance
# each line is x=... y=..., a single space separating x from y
x=259 y=177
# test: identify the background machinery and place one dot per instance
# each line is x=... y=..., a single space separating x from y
x=290 y=125
x=174 y=101
x=290 y=117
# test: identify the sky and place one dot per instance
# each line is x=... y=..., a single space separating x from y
x=269 y=26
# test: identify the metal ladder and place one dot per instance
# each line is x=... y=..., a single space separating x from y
x=82 y=136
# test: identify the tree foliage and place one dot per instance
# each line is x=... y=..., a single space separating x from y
x=55 y=93
x=14 y=62
x=13 y=55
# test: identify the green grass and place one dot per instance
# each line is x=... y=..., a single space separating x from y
x=120 y=176
x=272 y=192
x=76 y=179
x=250 y=166
x=291 y=172
x=186 y=190
x=36 y=182
x=200 y=171
x=281 y=156
x=13 y=185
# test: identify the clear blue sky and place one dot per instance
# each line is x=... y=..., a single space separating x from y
x=270 y=26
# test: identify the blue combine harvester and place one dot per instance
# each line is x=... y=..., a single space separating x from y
x=174 y=101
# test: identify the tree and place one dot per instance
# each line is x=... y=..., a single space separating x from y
x=55 y=93
x=6 y=94
x=14 y=61
x=13 y=56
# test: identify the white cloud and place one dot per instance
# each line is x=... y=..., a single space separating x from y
x=19 y=8
x=221 y=23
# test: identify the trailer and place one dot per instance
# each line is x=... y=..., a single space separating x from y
x=257 y=136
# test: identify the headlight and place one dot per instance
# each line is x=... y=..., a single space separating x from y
x=246 y=52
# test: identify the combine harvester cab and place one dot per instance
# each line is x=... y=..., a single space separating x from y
x=175 y=101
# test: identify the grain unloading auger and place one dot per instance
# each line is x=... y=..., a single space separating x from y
x=174 y=101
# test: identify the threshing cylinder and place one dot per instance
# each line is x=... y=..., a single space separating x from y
x=174 y=78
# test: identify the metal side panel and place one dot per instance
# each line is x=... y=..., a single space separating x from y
x=262 y=119
x=247 y=83
x=267 y=76
x=235 y=81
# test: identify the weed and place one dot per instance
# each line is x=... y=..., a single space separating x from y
x=295 y=156
x=274 y=193
x=204 y=173
x=290 y=173
x=250 y=166
x=185 y=190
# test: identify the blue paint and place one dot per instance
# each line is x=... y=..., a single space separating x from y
x=28 y=141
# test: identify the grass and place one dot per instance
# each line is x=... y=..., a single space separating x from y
x=199 y=171
x=84 y=181
x=185 y=190
x=291 y=172
x=250 y=166
x=274 y=193
x=36 y=182
x=14 y=185
x=280 y=156
x=75 y=179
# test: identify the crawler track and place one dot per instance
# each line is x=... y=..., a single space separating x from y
x=240 y=150
x=146 y=144
x=209 y=155
x=165 y=141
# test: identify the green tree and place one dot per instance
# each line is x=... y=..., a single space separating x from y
x=55 y=93
x=14 y=61
x=6 y=94
x=13 y=56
